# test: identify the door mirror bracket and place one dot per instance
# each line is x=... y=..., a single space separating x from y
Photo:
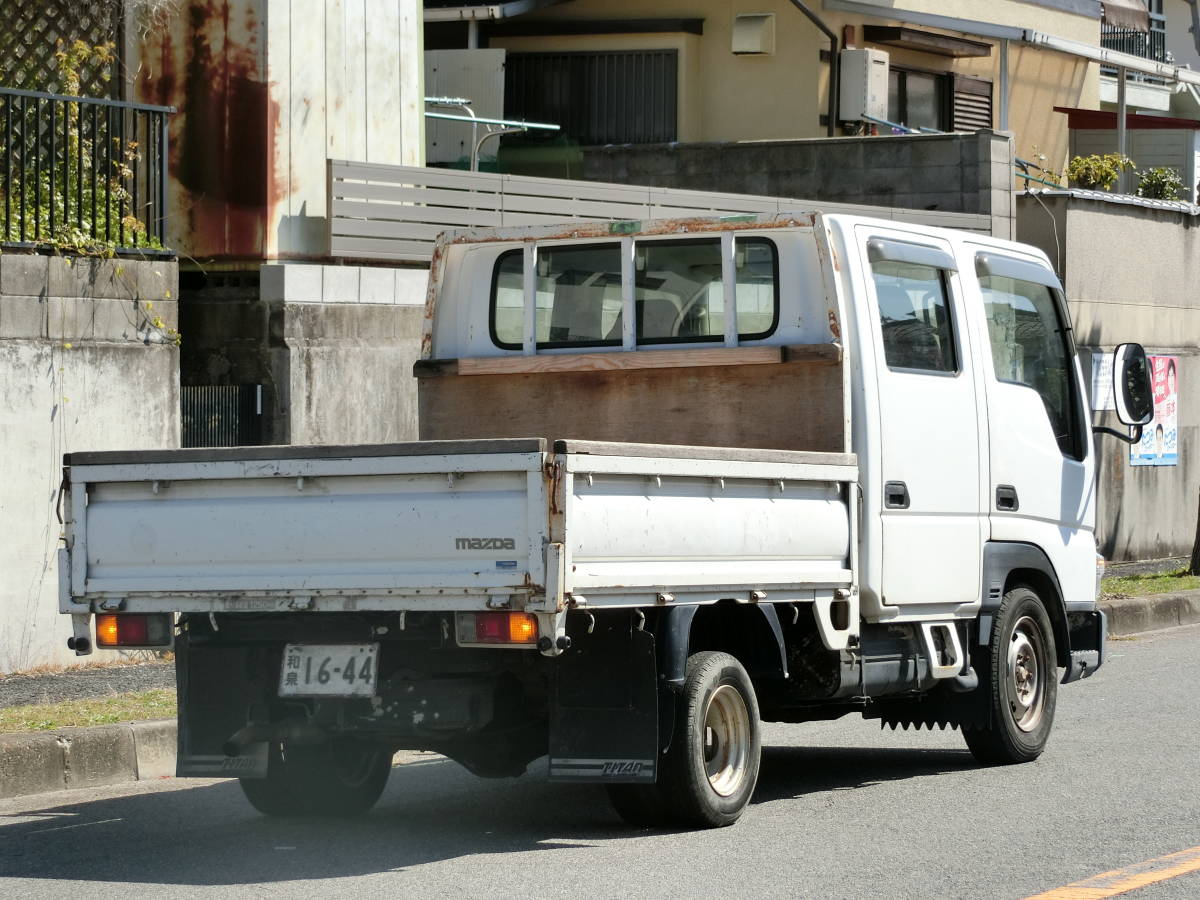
x=1134 y=438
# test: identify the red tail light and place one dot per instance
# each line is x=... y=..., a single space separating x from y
x=497 y=628
x=133 y=630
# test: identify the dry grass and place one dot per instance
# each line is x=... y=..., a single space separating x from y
x=156 y=704
x=141 y=659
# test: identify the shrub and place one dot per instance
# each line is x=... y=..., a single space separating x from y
x=1160 y=183
x=95 y=192
x=1098 y=172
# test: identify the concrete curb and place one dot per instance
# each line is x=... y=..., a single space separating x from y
x=37 y=762
x=1132 y=615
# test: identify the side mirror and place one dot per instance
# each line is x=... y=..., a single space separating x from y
x=1133 y=391
x=1132 y=387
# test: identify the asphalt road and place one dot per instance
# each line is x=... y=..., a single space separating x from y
x=842 y=810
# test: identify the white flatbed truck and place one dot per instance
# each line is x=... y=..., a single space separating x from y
x=675 y=478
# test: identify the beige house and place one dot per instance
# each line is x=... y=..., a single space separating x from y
x=629 y=71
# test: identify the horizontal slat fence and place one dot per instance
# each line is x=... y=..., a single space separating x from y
x=384 y=212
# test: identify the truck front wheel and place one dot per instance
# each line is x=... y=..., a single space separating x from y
x=333 y=779
x=1018 y=681
x=709 y=773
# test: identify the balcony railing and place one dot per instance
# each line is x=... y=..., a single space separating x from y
x=1150 y=44
x=82 y=172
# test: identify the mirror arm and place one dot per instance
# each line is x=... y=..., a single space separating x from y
x=1129 y=439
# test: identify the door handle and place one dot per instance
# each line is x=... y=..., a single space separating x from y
x=895 y=495
x=1006 y=498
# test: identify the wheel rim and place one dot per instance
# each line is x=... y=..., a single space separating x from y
x=1027 y=672
x=726 y=740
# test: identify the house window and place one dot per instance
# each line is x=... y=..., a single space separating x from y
x=942 y=102
x=606 y=97
x=918 y=99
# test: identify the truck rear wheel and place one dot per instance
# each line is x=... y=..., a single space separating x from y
x=709 y=773
x=1019 y=680
x=333 y=779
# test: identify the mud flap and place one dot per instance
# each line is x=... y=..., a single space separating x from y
x=205 y=677
x=1089 y=634
x=604 y=705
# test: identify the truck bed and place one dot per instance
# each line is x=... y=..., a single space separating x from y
x=451 y=525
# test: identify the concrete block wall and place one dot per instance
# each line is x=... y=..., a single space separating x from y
x=967 y=173
x=88 y=361
x=333 y=345
x=304 y=283
x=349 y=350
x=1130 y=271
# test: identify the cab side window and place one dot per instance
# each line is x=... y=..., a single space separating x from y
x=1032 y=347
x=914 y=316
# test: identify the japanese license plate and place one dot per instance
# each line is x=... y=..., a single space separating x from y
x=328 y=670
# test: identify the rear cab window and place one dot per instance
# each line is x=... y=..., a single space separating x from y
x=678 y=293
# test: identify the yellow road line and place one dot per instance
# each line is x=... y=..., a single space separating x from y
x=1119 y=881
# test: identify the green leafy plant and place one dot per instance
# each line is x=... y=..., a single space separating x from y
x=1160 y=183
x=89 y=212
x=1098 y=171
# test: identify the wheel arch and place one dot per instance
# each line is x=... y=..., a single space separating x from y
x=1008 y=564
x=749 y=632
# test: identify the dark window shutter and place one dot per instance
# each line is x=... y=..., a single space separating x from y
x=608 y=97
x=971 y=104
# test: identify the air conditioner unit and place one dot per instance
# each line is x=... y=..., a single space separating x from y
x=864 y=79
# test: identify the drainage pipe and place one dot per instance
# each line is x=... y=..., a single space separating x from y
x=835 y=65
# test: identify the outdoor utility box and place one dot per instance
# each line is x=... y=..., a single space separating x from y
x=754 y=33
x=864 y=75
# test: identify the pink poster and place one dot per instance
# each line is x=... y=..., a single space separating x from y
x=1160 y=439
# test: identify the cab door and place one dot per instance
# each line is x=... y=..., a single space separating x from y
x=1041 y=460
x=931 y=427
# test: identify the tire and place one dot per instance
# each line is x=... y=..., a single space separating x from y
x=334 y=779
x=708 y=775
x=1019 y=683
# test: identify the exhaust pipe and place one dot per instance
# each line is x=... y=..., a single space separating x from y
x=293 y=731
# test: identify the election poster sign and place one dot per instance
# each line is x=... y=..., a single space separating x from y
x=1159 y=445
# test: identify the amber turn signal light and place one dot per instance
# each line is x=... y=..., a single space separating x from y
x=133 y=630
x=497 y=628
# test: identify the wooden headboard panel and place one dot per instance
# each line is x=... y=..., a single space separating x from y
x=778 y=398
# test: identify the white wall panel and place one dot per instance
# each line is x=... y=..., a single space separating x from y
x=477 y=75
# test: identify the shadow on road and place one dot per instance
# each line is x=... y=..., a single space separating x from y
x=789 y=772
x=432 y=811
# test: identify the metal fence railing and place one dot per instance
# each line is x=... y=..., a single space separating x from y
x=1150 y=44
x=82 y=171
x=221 y=415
